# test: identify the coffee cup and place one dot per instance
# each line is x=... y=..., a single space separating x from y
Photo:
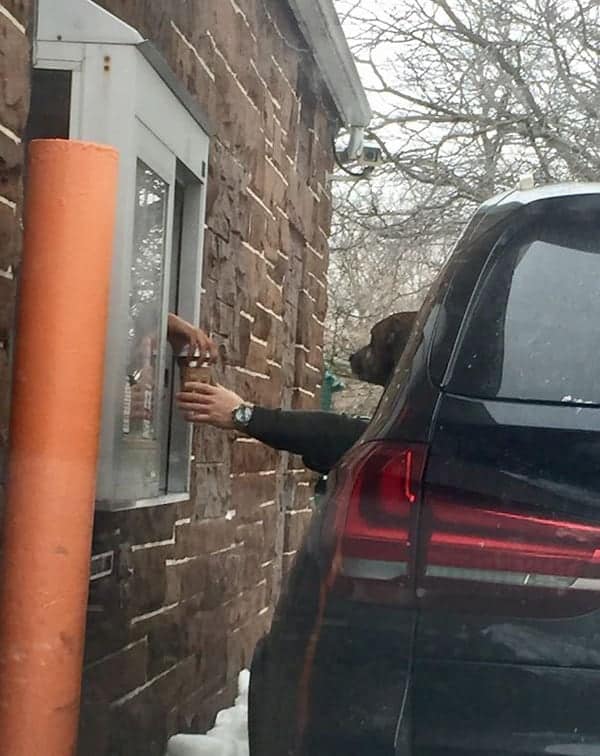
x=194 y=370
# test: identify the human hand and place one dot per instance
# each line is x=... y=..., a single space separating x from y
x=183 y=334
x=211 y=405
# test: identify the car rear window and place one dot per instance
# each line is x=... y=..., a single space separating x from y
x=534 y=330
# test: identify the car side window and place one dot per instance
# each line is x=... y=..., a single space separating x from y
x=466 y=265
x=532 y=333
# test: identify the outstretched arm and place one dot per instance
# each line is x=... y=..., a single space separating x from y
x=321 y=438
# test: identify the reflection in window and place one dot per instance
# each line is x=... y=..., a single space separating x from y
x=533 y=334
x=145 y=305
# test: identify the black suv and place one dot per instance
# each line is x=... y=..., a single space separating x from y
x=447 y=599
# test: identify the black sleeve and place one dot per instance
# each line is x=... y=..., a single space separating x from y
x=321 y=438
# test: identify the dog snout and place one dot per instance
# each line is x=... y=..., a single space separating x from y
x=356 y=360
x=359 y=362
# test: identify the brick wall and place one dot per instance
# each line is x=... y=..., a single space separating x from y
x=14 y=105
x=195 y=583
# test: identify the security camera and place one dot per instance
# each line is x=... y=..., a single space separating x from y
x=365 y=156
x=371 y=155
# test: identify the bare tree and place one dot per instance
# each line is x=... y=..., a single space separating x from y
x=468 y=95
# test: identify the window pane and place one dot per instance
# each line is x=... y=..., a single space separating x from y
x=175 y=453
x=183 y=274
x=140 y=417
x=533 y=333
x=50 y=108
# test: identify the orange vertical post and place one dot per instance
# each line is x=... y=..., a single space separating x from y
x=53 y=443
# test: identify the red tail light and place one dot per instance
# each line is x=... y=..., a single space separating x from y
x=375 y=509
x=492 y=541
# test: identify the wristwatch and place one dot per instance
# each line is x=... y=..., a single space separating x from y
x=242 y=416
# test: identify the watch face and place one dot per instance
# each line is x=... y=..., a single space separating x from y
x=243 y=414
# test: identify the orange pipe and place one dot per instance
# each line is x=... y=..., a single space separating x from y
x=55 y=419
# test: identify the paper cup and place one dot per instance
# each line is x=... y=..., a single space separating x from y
x=194 y=373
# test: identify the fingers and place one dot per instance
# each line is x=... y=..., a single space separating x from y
x=195 y=338
x=197 y=387
x=204 y=344
x=213 y=351
x=191 y=401
x=187 y=401
x=198 y=417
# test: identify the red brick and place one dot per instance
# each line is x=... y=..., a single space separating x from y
x=296 y=524
x=214 y=572
x=248 y=456
x=249 y=491
x=14 y=77
x=112 y=677
x=20 y=9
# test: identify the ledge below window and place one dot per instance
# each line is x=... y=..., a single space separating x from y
x=156 y=501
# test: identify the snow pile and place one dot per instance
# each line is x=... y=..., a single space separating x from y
x=229 y=736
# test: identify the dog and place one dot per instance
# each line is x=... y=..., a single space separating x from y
x=375 y=362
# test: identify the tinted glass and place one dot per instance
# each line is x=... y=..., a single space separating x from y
x=50 y=106
x=533 y=333
x=464 y=270
x=145 y=302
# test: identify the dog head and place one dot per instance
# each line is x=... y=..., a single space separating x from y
x=375 y=362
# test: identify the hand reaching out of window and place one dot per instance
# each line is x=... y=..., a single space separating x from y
x=182 y=334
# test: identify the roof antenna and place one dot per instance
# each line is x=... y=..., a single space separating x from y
x=526 y=182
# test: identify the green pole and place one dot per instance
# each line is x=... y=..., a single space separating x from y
x=331 y=385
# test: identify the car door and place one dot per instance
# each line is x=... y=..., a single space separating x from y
x=507 y=648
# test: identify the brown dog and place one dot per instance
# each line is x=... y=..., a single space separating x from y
x=375 y=362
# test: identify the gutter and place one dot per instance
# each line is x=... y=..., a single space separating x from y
x=321 y=27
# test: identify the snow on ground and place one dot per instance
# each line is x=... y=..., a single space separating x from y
x=229 y=736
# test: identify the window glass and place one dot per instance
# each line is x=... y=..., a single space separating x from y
x=175 y=452
x=533 y=332
x=50 y=106
x=140 y=416
x=465 y=267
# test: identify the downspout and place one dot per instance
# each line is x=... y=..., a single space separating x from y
x=53 y=443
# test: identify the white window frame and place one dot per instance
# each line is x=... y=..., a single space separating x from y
x=124 y=95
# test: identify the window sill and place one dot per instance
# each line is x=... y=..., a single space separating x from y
x=156 y=501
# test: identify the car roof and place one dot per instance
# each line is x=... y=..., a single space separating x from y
x=550 y=191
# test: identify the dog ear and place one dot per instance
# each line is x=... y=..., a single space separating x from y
x=398 y=335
